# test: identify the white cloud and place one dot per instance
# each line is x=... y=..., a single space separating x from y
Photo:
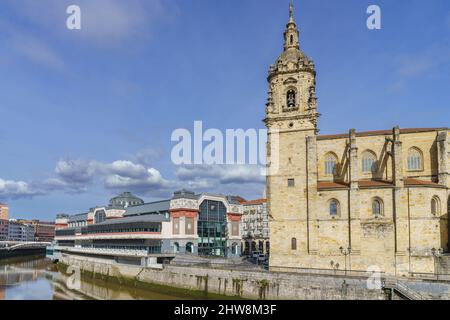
x=75 y=171
x=103 y=22
x=17 y=189
x=26 y=44
x=127 y=169
x=76 y=175
x=224 y=174
x=37 y=51
x=423 y=62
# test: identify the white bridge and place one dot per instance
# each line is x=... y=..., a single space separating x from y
x=15 y=245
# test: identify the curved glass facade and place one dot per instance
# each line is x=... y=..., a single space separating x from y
x=212 y=229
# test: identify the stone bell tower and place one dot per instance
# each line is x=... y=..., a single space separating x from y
x=291 y=119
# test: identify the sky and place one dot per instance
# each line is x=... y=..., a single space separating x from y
x=87 y=114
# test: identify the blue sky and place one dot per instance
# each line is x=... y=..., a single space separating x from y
x=87 y=114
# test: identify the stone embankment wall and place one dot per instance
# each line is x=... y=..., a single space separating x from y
x=235 y=283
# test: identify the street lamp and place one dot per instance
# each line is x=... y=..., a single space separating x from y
x=345 y=252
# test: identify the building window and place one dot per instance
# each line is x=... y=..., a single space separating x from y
x=330 y=164
x=435 y=206
x=176 y=247
x=100 y=216
x=189 y=247
x=415 y=160
x=176 y=225
x=235 y=228
x=291 y=99
x=189 y=226
x=212 y=228
x=334 y=208
x=377 y=207
x=234 y=249
x=291 y=183
x=294 y=244
x=369 y=162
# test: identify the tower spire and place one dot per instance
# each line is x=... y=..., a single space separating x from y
x=291 y=11
x=291 y=35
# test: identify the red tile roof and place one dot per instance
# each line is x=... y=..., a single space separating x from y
x=258 y=201
x=376 y=184
x=378 y=133
x=416 y=182
x=332 y=185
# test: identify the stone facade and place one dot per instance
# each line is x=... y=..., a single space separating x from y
x=350 y=201
x=252 y=284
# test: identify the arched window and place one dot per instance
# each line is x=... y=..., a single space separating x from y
x=100 y=216
x=377 y=207
x=292 y=39
x=435 y=206
x=330 y=164
x=176 y=247
x=291 y=99
x=415 y=159
x=334 y=208
x=293 y=244
x=189 y=247
x=234 y=248
x=369 y=162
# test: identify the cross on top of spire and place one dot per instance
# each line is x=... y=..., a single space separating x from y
x=291 y=11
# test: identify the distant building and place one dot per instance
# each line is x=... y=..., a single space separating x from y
x=44 y=231
x=4 y=211
x=255 y=227
x=4 y=230
x=20 y=232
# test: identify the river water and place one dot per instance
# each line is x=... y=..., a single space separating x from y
x=38 y=279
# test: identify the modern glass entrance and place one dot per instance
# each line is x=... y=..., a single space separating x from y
x=212 y=229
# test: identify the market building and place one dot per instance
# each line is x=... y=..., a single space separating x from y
x=146 y=233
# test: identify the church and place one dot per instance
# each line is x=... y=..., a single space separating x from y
x=356 y=201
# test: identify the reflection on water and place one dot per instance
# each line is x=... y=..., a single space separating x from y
x=35 y=280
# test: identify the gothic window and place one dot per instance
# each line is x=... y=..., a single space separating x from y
x=294 y=244
x=369 y=162
x=377 y=207
x=291 y=99
x=292 y=39
x=414 y=159
x=435 y=206
x=334 y=208
x=330 y=164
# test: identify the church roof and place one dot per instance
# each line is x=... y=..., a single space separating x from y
x=409 y=182
x=378 y=133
